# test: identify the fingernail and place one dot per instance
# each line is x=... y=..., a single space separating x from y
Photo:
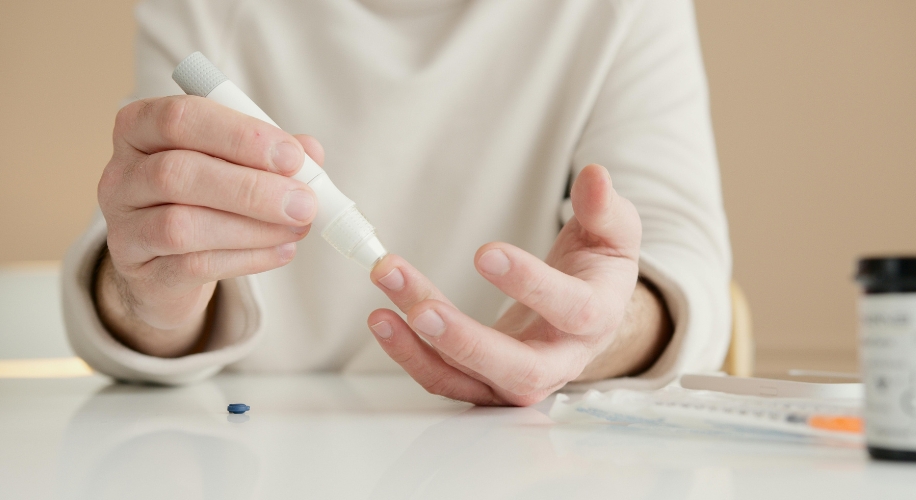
x=382 y=329
x=286 y=157
x=299 y=229
x=286 y=250
x=494 y=262
x=429 y=323
x=393 y=281
x=300 y=205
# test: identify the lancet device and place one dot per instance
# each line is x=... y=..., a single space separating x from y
x=338 y=220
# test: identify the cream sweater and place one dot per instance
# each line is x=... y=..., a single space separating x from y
x=451 y=123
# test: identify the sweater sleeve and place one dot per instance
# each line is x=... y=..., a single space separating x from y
x=167 y=32
x=651 y=127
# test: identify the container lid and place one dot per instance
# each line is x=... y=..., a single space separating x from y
x=886 y=268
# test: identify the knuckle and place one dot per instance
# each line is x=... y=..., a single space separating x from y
x=147 y=238
x=170 y=174
x=173 y=118
x=531 y=381
x=249 y=191
x=199 y=265
x=126 y=117
x=439 y=385
x=130 y=168
x=107 y=187
x=471 y=353
x=115 y=178
x=175 y=230
x=403 y=357
x=533 y=289
x=583 y=316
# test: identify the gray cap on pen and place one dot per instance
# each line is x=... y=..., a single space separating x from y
x=196 y=75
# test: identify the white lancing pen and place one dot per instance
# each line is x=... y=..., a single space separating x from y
x=338 y=220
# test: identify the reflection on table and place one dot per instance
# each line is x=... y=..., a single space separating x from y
x=329 y=436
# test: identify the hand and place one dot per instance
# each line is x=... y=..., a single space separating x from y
x=568 y=321
x=194 y=193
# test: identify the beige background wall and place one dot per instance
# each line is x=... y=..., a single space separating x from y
x=814 y=105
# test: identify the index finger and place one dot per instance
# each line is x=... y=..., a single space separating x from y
x=516 y=368
x=197 y=124
x=531 y=368
x=403 y=284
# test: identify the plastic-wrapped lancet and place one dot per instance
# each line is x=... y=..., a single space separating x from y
x=338 y=220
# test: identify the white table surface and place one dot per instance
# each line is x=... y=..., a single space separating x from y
x=329 y=436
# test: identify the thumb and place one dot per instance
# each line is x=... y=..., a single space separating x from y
x=604 y=213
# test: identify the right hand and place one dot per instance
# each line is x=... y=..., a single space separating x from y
x=194 y=193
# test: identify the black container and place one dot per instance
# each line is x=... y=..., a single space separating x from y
x=893 y=279
x=887 y=275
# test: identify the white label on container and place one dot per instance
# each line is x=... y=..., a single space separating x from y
x=887 y=336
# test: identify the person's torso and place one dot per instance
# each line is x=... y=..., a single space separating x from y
x=451 y=123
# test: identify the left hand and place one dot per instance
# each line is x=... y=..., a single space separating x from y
x=568 y=312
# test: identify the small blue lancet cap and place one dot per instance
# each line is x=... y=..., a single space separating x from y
x=238 y=408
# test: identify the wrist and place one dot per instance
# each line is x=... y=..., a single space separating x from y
x=116 y=307
x=638 y=341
